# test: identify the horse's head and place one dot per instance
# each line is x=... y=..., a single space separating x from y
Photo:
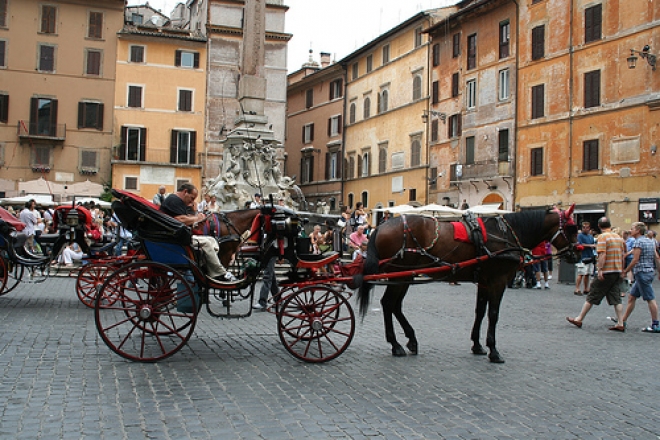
x=565 y=236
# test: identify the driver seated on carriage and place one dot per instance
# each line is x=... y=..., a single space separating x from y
x=177 y=205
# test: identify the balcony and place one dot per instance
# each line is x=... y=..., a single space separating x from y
x=487 y=169
x=41 y=131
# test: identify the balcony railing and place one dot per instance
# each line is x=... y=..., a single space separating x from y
x=36 y=130
x=486 y=169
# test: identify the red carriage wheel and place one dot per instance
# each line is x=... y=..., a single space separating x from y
x=316 y=323
x=90 y=281
x=145 y=311
x=4 y=276
x=14 y=273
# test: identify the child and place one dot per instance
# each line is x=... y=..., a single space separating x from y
x=317 y=239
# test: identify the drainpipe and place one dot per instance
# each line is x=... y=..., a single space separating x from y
x=427 y=143
x=343 y=135
x=514 y=157
x=570 y=100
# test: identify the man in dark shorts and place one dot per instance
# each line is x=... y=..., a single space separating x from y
x=611 y=251
x=178 y=205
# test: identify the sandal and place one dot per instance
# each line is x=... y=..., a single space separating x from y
x=577 y=293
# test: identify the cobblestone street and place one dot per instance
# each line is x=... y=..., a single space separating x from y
x=236 y=380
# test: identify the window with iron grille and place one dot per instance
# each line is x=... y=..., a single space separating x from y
x=436 y=55
x=456 y=45
x=592 y=89
x=590 y=155
x=46 y=58
x=536 y=168
x=41 y=156
x=48 y=19
x=454 y=85
x=415 y=153
x=93 y=66
x=538 y=101
x=90 y=115
x=472 y=51
x=538 y=42
x=471 y=98
x=336 y=90
x=131 y=183
x=135 y=96
x=185 y=100
x=4 y=108
x=370 y=63
x=386 y=54
x=309 y=98
x=137 y=54
x=593 y=17
x=503 y=146
x=89 y=160
x=469 y=150
x=505 y=37
x=417 y=87
x=382 y=158
x=95 y=25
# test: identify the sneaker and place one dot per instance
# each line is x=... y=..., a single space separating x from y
x=547 y=286
x=537 y=286
x=259 y=306
x=549 y=277
x=651 y=329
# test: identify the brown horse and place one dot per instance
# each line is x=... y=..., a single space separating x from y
x=232 y=225
x=415 y=242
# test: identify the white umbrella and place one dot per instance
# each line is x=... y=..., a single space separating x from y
x=101 y=203
x=42 y=200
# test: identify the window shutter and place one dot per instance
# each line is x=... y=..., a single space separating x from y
x=434 y=130
x=339 y=166
x=303 y=134
x=436 y=55
x=122 y=145
x=311 y=168
x=311 y=132
x=436 y=92
x=454 y=85
x=460 y=124
x=173 y=146
x=81 y=114
x=193 y=147
x=143 y=144
x=177 y=58
x=327 y=166
x=4 y=111
x=302 y=168
x=53 y=117
x=359 y=166
x=99 y=122
x=329 y=126
x=339 y=124
x=196 y=60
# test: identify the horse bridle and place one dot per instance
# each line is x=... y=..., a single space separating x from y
x=565 y=219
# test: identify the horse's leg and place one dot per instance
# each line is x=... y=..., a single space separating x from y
x=479 y=313
x=388 y=302
x=493 y=316
x=405 y=325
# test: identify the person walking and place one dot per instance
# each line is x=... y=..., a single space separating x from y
x=611 y=251
x=540 y=265
x=29 y=216
x=644 y=262
x=585 y=267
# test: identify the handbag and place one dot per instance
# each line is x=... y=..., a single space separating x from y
x=341 y=223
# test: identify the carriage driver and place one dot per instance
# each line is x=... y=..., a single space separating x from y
x=176 y=205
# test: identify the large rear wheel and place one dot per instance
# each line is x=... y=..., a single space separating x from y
x=145 y=311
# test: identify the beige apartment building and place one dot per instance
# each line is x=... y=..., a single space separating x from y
x=314 y=132
x=57 y=81
x=159 y=106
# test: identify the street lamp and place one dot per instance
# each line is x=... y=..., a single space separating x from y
x=644 y=53
x=442 y=116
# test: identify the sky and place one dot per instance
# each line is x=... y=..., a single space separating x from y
x=338 y=27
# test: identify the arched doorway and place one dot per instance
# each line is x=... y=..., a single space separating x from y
x=492 y=199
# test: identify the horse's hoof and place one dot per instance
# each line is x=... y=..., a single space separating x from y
x=398 y=351
x=412 y=346
x=496 y=359
x=478 y=349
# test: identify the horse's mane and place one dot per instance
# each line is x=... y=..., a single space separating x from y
x=528 y=225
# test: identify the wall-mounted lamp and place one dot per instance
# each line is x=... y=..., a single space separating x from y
x=654 y=149
x=435 y=114
x=644 y=53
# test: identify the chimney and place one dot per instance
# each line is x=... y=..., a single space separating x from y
x=325 y=60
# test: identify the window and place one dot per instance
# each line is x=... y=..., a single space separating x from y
x=307 y=168
x=131 y=183
x=538 y=101
x=469 y=150
x=593 y=17
x=352 y=113
x=3 y=53
x=434 y=130
x=332 y=170
x=412 y=195
x=436 y=55
x=456 y=45
x=536 y=168
x=46 y=58
x=435 y=92
x=134 y=96
x=41 y=156
x=354 y=71
x=505 y=36
x=133 y=143
x=590 y=155
x=182 y=147
x=350 y=200
x=43 y=116
x=137 y=18
x=503 y=143
x=370 y=63
x=592 y=89
x=367 y=108
x=433 y=178
x=3 y=13
x=183 y=58
x=93 y=65
x=90 y=115
x=503 y=93
x=386 y=54
x=365 y=168
x=417 y=87
x=382 y=158
x=416 y=153
x=472 y=51
x=336 y=89
x=454 y=126
x=48 y=19
x=137 y=54
x=308 y=133
x=185 y=101
x=471 y=98
x=309 y=98
x=4 y=108
x=418 y=37
x=365 y=199
x=351 y=169
x=334 y=125
x=95 y=25
x=454 y=85
x=89 y=160
x=538 y=42
x=382 y=101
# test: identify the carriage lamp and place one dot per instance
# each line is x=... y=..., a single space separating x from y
x=644 y=53
x=72 y=218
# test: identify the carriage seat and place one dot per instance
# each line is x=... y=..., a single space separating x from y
x=314 y=261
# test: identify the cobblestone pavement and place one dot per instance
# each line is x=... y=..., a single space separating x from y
x=235 y=379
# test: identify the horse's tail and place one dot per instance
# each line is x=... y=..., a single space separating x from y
x=370 y=267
